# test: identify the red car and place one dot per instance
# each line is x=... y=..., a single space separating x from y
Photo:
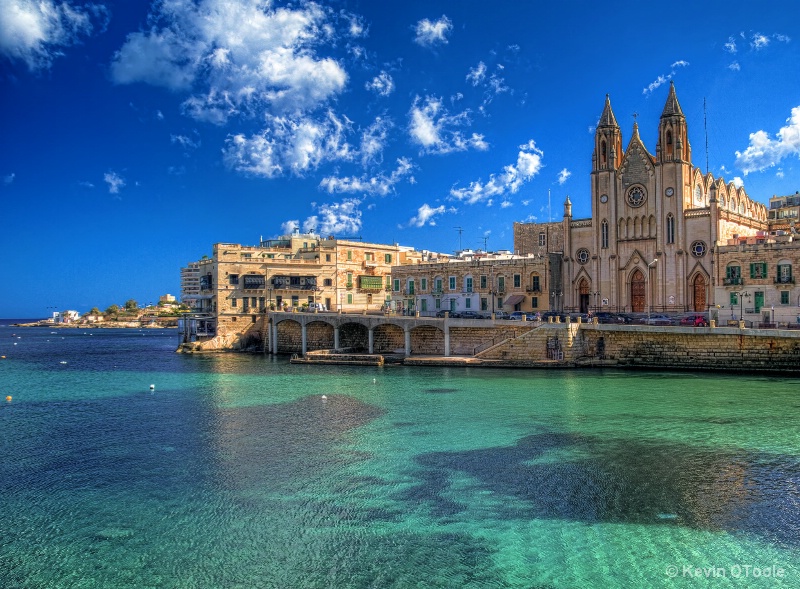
x=695 y=320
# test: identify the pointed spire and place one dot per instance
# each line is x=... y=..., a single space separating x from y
x=672 y=107
x=607 y=119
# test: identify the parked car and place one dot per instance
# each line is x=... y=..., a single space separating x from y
x=500 y=315
x=516 y=316
x=694 y=320
x=547 y=314
x=609 y=318
x=657 y=320
x=534 y=316
x=471 y=315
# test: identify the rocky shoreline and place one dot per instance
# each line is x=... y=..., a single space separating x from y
x=101 y=325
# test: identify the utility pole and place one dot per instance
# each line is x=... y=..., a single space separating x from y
x=460 y=231
x=485 y=239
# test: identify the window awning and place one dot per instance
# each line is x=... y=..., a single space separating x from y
x=514 y=300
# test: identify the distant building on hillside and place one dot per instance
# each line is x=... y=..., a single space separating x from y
x=190 y=284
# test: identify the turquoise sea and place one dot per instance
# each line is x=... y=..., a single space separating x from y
x=234 y=472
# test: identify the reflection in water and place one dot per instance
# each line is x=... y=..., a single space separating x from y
x=624 y=481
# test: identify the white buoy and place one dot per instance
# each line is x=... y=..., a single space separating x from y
x=324 y=397
x=152 y=387
x=374 y=380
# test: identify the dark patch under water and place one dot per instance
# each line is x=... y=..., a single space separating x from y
x=625 y=481
x=440 y=390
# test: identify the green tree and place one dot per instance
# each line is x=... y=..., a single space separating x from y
x=93 y=311
x=131 y=305
x=112 y=310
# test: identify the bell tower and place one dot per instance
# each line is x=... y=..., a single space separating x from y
x=607 y=141
x=673 y=136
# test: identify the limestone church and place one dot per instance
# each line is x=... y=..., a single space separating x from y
x=656 y=220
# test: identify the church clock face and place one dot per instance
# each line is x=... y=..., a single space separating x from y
x=636 y=196
x=604 y=198
x=669 y=191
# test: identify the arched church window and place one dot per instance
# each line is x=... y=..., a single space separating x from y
x=582 y=256
x=603 y=157
x=604 y=234
x=669 y=142
x=636 y=196
x=721 y=201
x=670 y=228
x=698 y=194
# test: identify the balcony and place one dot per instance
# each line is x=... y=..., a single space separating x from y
x=784 y=280
x=533 y=289
x=733 y=281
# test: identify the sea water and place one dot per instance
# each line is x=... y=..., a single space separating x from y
x=233 y=471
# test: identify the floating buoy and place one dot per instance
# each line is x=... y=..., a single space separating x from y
x=8 y=397
x=374 y=380
x=324 y=397
x=152 y=387
x=63 y=362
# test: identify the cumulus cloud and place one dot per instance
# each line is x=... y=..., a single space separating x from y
x=730 y=46
x=34 y=31
x=382 y=84
x=664 y=78
x=237 y=57
x=477 y=74
x=8 y=179
x=563 y=176
x=765 y=152
x=737 y=182
x=115 y=182
x=379 y=185
x=289 y=227
x=759 y=41
x=373 y=141
x=431 y=33
x=425 y=215
x=290 y=146
x=433 y=128
x=335 y=218
x=509 y=181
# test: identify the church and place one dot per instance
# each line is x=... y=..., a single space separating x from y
x=656 y=221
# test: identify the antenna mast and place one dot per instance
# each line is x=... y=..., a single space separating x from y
x=705 y=126
x=549 y=210
x=460 y=231
x=485 y=239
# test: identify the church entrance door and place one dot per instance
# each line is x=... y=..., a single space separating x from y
x=583 y=291
x=637 y=292
x=699 y=293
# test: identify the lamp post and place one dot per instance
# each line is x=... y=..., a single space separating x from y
x=741 y=295
x=773 y=315
x=649 y=281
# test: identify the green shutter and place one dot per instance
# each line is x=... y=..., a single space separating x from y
x=734 y=299
x=764 y=270
x=370 y=282
x=752 y=270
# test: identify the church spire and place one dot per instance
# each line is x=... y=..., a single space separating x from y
x=672 y=107
x=607 y=119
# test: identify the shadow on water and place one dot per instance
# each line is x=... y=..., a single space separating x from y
x=624 y=481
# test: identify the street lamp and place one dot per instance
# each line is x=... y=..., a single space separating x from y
x=741 y=295
x=650 y=306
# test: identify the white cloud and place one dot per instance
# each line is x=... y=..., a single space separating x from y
x=563 y=176
x=289 y=227
x=33 y=31
x=9 y=178
x=290 y=146
x=505 y=204
x=433 y=127
x=783 y=38
x=737 y=182
x=115 y=182
x=764 y=152
x=382 y=84
x=86 y=184
x=379 y=185
x=663 y=79
x=431 y=33
x=513 y=176
x=425 y=215
x=734 y=66
x=477 y=74
x=759 y=41
x=159 y=115
x=730 y=46
x=373 y=141
x=238 y=57
x=184 y=141
x=337 y=218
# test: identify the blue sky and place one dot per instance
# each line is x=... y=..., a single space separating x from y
x=137 y=134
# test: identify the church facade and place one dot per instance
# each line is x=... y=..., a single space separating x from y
x=656 y=221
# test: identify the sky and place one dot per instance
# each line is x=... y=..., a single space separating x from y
x=134 y=135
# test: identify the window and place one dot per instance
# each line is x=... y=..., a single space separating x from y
x=438 y=285
x=534 y=302
x=483 y=282
x=536 y=283
x=501 y=284
x=423 y=284
x=327 y=257
x=253 y=301
x=310 y=300
x=670 y=228
x=369 y=256
x=542 y=239
x=452 y=283
x=734 y=298
x=233 y=302
x=388 y=281
x=517 y=281
x=423 y=305
x=295 y=300
x=349 y=255
x=349 y=298
x=233 y=279
x=784 y=274
x=784 y=297
x=758 y=270
x=262 y=303
x=387 y=258
x=396 y=285
x=582 y=256
x=245 y=305
x=468 y=303
x=349 y=280
x=254 y=282
x=327 y=282
x=411 y=286
x=484 y=304
x=733 y=275
x=468 y=284
x=438 y=304
x=698 y=249
x=499 y=301
x=636 y=196
x=604 y=234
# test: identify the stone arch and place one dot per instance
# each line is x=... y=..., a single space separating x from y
x=319 y=336
x=354 y=335
x=584 y=287
x=388 y=338
x=698 y=293
x=290 y=336
x=427 y=339
x=651 y=221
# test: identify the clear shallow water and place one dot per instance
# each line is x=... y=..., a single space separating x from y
x=235 y=473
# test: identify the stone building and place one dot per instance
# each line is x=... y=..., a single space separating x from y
x=190 y=284
x=656 y=219
x=756 y=281
x=479 y=282
x=239 y=283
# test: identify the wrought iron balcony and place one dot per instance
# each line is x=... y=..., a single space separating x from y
x=784 y=280
x=733 y=281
